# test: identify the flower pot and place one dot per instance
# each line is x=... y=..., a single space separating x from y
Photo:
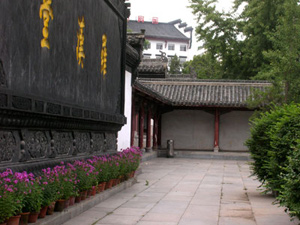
x=83 y=195
x=132 y=174
x=3 y=223
x=50 y=209
x=72 y=201
x=114 y=182
x=24 y=218
x=77 y=199
x=14 y=220
x=60 y=205
x=109 y=184
x=66 y=204
x=99 y=188
x=43 y=212
x=94 y=190
x=89 y=193
x=103 y=186
x=33 y=216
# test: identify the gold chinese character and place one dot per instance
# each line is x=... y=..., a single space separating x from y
x=46 y=12
x=104 y=55
x=80 y=41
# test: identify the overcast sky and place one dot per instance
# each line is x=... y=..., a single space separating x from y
x=168 y=10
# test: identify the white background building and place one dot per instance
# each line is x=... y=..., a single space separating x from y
x=165 y=37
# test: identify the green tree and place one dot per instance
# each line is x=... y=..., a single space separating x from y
x=175 y=67
x=205 y=66
x=258 y=21
x=220 y=34
x=284 y=59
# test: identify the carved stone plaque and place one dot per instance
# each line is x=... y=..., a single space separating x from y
x=98 y=142
x=63 y=142
x=83 y=142
x=8 y=145
x=111 y=141
x=37 y=143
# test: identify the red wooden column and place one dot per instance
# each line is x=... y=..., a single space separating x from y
x=159 y=130
x=217 y=126
x=155 y=130
x=149 y=117
x=141 y=132
x=133 y=122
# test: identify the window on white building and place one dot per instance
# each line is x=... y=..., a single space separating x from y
x=159 y=46
x=147 y=56
x=182 y=59
x=183 y=48
x=171 y=47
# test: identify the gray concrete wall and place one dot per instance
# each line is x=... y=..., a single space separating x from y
x=190 y=129
x=234 y=130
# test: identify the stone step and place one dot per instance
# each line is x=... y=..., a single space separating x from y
x=207 y=155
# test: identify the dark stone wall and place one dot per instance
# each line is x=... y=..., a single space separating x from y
x=50 y=106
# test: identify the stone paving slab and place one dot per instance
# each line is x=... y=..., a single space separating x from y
x=183 y=191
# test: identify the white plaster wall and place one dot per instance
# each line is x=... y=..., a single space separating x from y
x=153 y=51
x=234 y=130
x=190 y=129
x=125 y=133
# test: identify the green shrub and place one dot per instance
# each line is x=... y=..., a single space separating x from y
x=283 y=135
x=290 y=194
x=260 y=142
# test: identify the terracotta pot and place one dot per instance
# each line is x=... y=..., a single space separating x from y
x=103 y=186
x=83 y=195
x=14 y=220
x=99 y=189
x=89 y=193
x=77 y=199
x=132 y=174
x=114 y=182
x=94 y=189
x=33 y=216
x=109 y=184
x=66 y=204
x=50 y=209
x=24 y=218
x=43 y=212
x=60 y=205
x=72 y=201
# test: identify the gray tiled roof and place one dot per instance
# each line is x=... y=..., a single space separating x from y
x=153 y=66
x=195 y=92
x=160 y=30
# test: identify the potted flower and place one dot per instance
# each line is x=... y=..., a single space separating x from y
x=101 y=166
x=13 y=185
x=10 y=198
x=66 y=186
x=50 y=187
x=32 y=201
x=85 y=177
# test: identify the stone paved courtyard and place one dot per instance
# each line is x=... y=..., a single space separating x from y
x=189 y=191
